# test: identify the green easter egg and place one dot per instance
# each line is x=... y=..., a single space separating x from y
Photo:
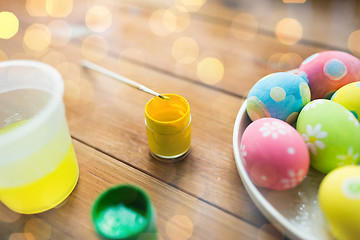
x=331 y=133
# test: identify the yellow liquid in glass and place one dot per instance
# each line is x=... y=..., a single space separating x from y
x=57 y=179
x=47 y=192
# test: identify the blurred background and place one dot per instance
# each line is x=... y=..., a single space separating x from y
x=155 y=32
x=40 y=24
x=226 y=45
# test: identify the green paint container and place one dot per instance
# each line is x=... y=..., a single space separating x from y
x=124 y=212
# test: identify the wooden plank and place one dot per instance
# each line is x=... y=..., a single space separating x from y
x=110 y=116
x=71 y=220
x=244 y=62
x=312 y=15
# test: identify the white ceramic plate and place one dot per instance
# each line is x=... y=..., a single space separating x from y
x=295 y=212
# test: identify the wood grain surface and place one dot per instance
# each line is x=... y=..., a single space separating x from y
x=200 y=57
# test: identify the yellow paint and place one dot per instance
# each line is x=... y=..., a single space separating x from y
x=44 y=178
x=168 y=126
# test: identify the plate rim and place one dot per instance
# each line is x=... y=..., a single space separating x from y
x=274 y=216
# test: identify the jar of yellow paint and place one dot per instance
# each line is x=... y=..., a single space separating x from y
x=168 y=127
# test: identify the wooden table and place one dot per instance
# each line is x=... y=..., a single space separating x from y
x=211 y=54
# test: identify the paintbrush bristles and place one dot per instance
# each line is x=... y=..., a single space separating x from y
x=164 y=97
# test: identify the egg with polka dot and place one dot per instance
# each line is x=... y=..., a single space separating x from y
x=339 y=200
x=349 y=97
x=274 y=154
x=328 y=71
x=278 y=95
x=331 y=133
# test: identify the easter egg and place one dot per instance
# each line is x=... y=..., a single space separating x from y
x=326 y=72
x=331 y=133
x=349 y=97
x=339 y=200
x=279 y=95
x=274 y=154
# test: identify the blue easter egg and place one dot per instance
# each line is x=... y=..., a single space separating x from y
x=279 y=95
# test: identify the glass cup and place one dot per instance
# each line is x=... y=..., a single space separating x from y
x=124 y=212
x=168 y=127
x=38 y=166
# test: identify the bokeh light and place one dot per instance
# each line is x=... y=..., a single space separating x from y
x=290 y=60
x=176 y=19
x=3 y=56
x=210 y=70
x=69 y=71
x=22 y=236
x=185 y=50
x=284 y=61
x=179 y=227
x=71 y=93
x=36 y=8
x=98 y=18
x=9 y=25
x=60 y=32
x=273 y=62
x=8 y=216
x=94 y=48
x=289 y=31
x=78 y=92
x=59 y=8
x=160 y=22
x=354 y=43
x=38 y=228
x=37 y=37
x=54 y=58
x=244 y=26
x=190 y=5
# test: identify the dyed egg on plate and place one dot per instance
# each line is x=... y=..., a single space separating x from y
x=279 y=95
x=331 y=133
x=274 y=154
x=326 y=72
x=339 y=199
x=349 y=97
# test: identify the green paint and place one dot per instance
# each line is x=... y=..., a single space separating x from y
x=121 y=221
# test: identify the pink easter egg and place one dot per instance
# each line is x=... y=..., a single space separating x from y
x=328 y=71
x=274 y=154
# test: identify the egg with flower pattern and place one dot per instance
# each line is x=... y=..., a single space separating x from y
x=274 y=154
x=331 y=133
x=327 y=71
x=339 y=200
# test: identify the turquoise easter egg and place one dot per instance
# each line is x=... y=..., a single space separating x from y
x=279 y=95
x=331 y=133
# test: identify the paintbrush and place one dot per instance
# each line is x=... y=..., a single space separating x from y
x=120 y=78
